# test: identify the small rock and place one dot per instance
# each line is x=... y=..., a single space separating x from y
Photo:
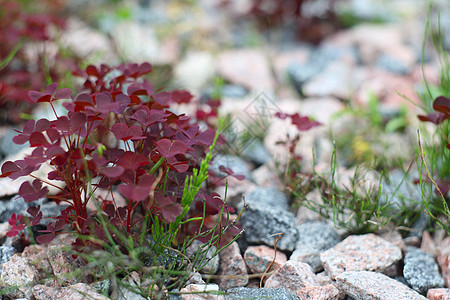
x=262 y=224
x=137 y=42
x=306 y=215
x=43 y=292
x=438 y=294
x=243 y=293
x=314 y=238
x=428 y=244
x=327 y=292
x=421 y=270
x=393 y=65
x=85 y=42
x=247 y=67
x=129 y=290
x=364 y=285
x=255 y=152
x=63 y=264
x=195 y=278
x=443 y=259
x=293 y=276
x=395 y=238
x=208 y=290
x=360 y=253
x=6 y=252
x=321 y=109
x=258 y=258
x=267 y=196
x=232 y=264
x=81 y=291
x=37 y=254
x=195 y=70
x=337 y=80
x=264 y=176
x=213 y=264
x=18 y=272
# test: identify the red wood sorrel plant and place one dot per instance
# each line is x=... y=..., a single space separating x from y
x=117 y=136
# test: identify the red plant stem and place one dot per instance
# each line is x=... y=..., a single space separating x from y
x=129 y=210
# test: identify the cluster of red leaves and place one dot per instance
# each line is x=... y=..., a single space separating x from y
x=120 y=136
x=441 y=106
x=22 y=21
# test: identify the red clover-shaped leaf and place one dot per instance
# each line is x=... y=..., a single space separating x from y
x=132 y=161
x=36 y=214
x=50 y=94
x=125 y=133
x=31 y=192
x=169 y=148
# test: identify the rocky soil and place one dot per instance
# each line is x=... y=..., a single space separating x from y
x=314 y=260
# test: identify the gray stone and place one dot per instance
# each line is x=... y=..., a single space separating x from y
x=263 y=222
x=364 y=285
x=212 y=263
x=391 y=64
x=314 y=238
x=7 y=147
x=267 y=196
x=236 y=164
x=420 y=225
x=263 y=293
x=6 y=252
x=16 y=205
x=421 y=270
x=399 y=191
x=256 y=152
x=319 y=59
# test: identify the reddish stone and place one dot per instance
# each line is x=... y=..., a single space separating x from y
x=258 y=258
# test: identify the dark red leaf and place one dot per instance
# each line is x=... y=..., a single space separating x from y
x=181 y=96
x=169 y=148
x=9 y=168
x=303 y=123
x=112 y=172
x=36 y=214
x=45 y=238
x=442 y=104
x=31 y=192
x=124 y=133
x=38 y=139
x=133 y=192
x=64 y=93
x=132 y=161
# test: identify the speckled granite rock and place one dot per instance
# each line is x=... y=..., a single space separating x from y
x=242 y=293
x=364 y=285
x=262 y=223
x=361 y=253
x=421 y=270
x=314 y=238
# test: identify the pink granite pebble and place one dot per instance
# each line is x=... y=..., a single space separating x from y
x=443 y=259
x=258 y=258
x=438 y=294
x=361 y=253
x=364 y=285
x=293 y=276
x=232 y=264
